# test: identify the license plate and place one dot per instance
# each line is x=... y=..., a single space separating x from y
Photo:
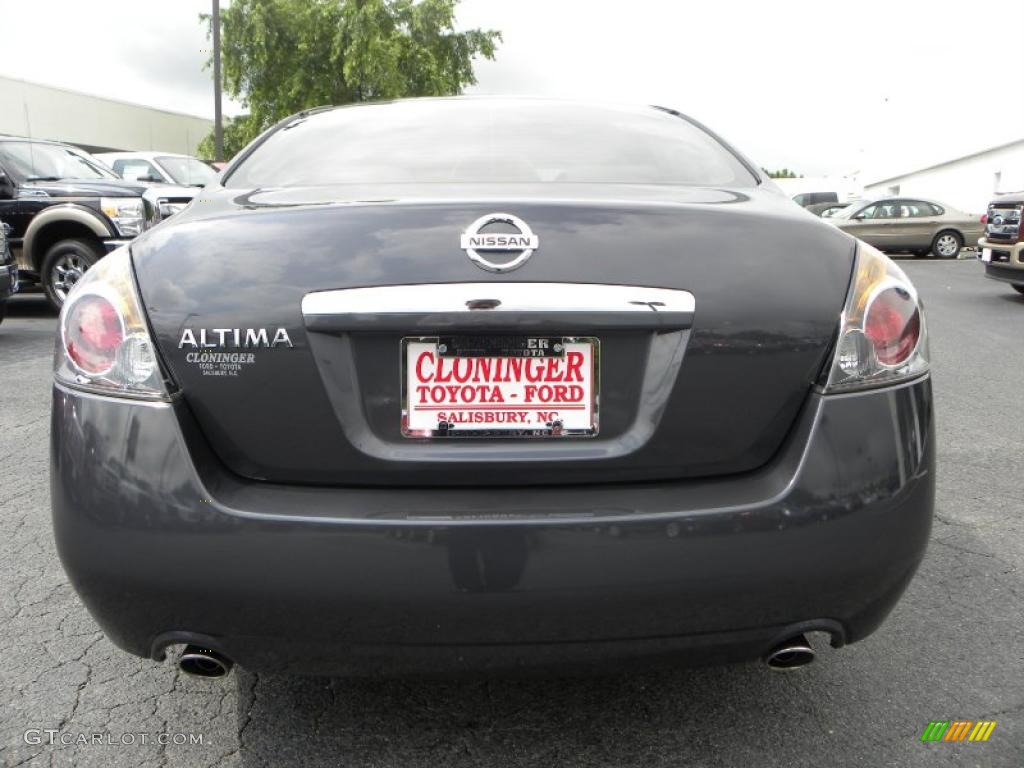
x=500 y=386
x=986 y=254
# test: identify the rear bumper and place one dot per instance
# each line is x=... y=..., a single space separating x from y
x=164 y=546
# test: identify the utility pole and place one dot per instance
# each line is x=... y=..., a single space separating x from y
x=218 y=130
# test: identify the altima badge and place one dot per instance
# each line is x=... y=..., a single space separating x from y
x=522 y=242
x=237 y=338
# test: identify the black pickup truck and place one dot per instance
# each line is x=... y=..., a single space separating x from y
x=66 y=210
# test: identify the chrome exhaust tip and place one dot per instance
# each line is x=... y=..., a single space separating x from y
x=793 y=653
x=203 y=662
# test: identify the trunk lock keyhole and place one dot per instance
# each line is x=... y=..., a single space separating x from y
x=483 y=303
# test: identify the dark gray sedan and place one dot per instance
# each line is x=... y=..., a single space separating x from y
x=910 y=225
x=472 y=384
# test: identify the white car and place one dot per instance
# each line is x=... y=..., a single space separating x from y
x=163 y=167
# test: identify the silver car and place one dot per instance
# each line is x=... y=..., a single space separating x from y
x=910 y=225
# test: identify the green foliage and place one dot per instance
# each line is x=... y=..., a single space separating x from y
x=785 y=173
x=282 y=56
x=236 y=136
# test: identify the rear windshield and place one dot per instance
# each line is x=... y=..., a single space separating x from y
x=490 y=141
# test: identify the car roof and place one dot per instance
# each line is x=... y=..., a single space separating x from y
x=895 y=198
x=148 y=155
x=592 y=103
x=23 y=139
x=583 y=102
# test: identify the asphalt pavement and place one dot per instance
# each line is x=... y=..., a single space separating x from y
x=952 y=649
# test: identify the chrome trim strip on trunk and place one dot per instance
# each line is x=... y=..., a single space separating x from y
x=480 y=305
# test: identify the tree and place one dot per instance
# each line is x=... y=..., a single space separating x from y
x=236 y=136
x=785 y=173
x=282 y=56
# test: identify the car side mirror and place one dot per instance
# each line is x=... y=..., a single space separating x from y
x=859 y=217
x=6 y=186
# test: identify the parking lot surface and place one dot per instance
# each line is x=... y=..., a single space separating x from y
x=952 y=649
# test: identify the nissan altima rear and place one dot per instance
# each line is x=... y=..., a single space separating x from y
x=476 y=384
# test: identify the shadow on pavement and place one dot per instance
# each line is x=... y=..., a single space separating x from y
x=30 y=305
x=652 y=719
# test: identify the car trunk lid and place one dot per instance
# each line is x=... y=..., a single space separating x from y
x=290 y=390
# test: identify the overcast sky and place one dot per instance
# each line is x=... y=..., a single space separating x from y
x=878 y=86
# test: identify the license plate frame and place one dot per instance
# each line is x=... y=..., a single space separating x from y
x=581 y=420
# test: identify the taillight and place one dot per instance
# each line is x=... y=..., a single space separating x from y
x=893 y=325
x=93 y=332
x=104 y=344
x=882 y=335
x=984 y=218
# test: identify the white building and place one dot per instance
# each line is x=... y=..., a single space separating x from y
x=967 y=183
x=93 y=123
